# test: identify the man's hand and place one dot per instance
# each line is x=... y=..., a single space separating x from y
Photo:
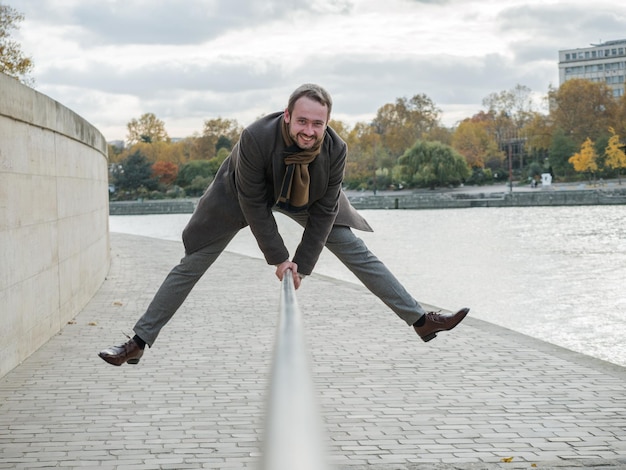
x=284 y=266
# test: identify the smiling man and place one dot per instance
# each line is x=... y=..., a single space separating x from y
x=291 y=162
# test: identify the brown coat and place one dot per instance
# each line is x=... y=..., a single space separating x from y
x=246 y=188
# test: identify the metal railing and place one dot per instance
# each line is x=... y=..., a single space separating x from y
x=293 y=429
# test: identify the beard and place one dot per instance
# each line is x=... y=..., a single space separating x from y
x=303 y=141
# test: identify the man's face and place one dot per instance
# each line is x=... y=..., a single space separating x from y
x=307 y=122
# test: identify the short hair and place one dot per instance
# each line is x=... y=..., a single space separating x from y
x=312 y=91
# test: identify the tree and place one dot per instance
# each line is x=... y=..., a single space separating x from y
x=538 y=132
x=515 y=104
x=401 y=124
x=146 y=129
x=585 y=160
x=472 y=140
x=134 y=173
x=619 y=122
x=165 y=172
x=13 y=62
x=432 y=164
x=194 y=168
x=366 y=155
x=583 y=109
x=615 y=156
x=217 y=133
x=561 y=149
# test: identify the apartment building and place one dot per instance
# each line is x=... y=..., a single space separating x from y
x=604 y=62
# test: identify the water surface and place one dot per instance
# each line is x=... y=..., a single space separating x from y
x=554 y=273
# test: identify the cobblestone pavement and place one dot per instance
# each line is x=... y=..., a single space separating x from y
x=480 y=397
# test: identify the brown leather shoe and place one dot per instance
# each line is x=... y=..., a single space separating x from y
x=117 y=355
x=436 y=322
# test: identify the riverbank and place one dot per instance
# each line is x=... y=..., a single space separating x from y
x=562 y=194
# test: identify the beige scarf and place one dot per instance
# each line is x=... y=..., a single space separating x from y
x=294 y=192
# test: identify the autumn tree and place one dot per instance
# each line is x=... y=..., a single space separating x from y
x=508 y=112
x=148 y=129
x=472 y=140
x=339 y=127
x=582 y=109
x=366 y=155
x=217 y=133
x=619 y=122
x=615 y=155
x=585 y=160
x=404 y=122
x=13 y=62
x=165 y=172
x=538 y=132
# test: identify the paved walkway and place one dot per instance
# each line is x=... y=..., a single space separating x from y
x=467 y=400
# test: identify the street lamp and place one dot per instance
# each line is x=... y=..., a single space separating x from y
x=510 y=168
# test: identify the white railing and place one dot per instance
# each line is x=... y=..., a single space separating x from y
x=293 y=429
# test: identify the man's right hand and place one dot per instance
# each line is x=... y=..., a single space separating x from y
x=283 y=267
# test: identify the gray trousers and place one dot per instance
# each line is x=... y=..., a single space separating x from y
x=342 y=242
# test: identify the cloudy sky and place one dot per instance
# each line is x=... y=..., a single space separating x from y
x=188 y=61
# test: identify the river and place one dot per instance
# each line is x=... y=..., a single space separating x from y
x=554 y=273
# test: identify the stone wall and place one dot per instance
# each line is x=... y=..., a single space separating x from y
x=168 y=206
x=451 y=200
x=54 y=240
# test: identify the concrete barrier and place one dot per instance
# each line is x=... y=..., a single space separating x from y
x=54 y=240
x=168 y=206
x=451 y=200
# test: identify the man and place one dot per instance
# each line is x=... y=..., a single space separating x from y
x=291 y=162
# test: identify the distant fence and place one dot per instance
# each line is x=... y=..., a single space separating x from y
x=293 y=433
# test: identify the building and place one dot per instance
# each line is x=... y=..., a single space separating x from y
x=604 y=62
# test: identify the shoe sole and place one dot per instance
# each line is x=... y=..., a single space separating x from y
x=106 y=359
x=427 y=338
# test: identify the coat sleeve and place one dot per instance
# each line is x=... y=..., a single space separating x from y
x=322 y=212
x=255 y=194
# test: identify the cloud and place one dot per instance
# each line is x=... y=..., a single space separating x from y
x=186 y=62
x=160 y=22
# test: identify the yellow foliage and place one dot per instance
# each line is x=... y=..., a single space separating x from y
x=615 y=156
x=472 y=140
x=585 y=160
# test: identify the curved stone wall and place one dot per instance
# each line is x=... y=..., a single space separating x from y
x=54 y=237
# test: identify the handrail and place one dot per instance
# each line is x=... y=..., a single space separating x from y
x=293 y=436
